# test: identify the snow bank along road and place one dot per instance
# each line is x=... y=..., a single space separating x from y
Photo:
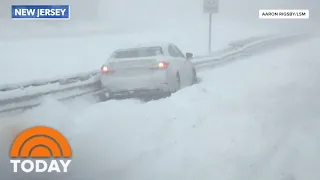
x=253 y=119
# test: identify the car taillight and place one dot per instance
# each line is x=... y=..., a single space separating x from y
x=162 y=65
x=104 y=69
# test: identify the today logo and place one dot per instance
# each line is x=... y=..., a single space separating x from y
x=36 y=146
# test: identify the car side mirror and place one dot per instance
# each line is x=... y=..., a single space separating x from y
x=189 y=55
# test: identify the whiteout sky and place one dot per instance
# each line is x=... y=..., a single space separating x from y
x=85 y=44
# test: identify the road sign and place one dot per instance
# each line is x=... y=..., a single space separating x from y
x=210 y=6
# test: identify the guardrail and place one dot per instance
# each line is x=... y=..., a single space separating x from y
x=28 y=95
x=239 y=49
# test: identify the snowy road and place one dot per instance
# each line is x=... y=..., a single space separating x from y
x=253 y=119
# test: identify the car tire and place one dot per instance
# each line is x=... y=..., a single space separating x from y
x=194 y=77
x=177 y=83
x=103 y=97
x=174 y=84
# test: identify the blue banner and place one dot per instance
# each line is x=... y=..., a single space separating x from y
x=40 y=12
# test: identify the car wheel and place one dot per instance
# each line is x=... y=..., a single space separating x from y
x=194 y=77
x=174 y=84
x=178 y=82
x=103 y=97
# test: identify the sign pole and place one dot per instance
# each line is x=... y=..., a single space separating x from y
x=210 y=27
x=210 y=7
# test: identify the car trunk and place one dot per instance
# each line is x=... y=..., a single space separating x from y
x=132 y=66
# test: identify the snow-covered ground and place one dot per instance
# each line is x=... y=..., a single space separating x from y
x=253 y=119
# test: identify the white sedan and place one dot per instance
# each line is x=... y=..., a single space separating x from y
x=160 y=68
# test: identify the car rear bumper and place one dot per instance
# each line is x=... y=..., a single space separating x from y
x=142 y=93
x=156 y=81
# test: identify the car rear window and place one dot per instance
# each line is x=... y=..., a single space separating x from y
x=138 y=52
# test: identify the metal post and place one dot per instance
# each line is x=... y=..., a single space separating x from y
x=210 y=24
